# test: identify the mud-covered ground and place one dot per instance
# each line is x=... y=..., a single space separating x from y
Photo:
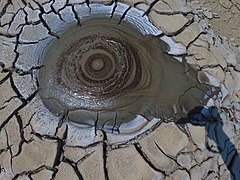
x=226 y=14
x=34 y=146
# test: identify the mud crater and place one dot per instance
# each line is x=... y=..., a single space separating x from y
x=106 y=73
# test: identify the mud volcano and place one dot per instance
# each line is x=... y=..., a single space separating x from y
x=101 y=89
x=108 y=71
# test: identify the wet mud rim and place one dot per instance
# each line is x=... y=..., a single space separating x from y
x=27 y=126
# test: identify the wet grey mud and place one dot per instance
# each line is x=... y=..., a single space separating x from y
x=114 y=90
x=110 y=71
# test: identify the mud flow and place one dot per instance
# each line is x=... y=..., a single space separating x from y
x=112 y=73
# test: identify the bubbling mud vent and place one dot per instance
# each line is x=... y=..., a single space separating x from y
x=109 y=75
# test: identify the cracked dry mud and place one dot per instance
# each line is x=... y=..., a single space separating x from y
x=34 y=146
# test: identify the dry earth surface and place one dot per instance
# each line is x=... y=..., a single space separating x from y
x=225 y=18
x=33 y=146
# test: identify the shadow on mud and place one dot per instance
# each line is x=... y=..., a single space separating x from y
x=210 y=118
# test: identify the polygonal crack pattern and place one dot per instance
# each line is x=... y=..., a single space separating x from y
x=191 y=135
